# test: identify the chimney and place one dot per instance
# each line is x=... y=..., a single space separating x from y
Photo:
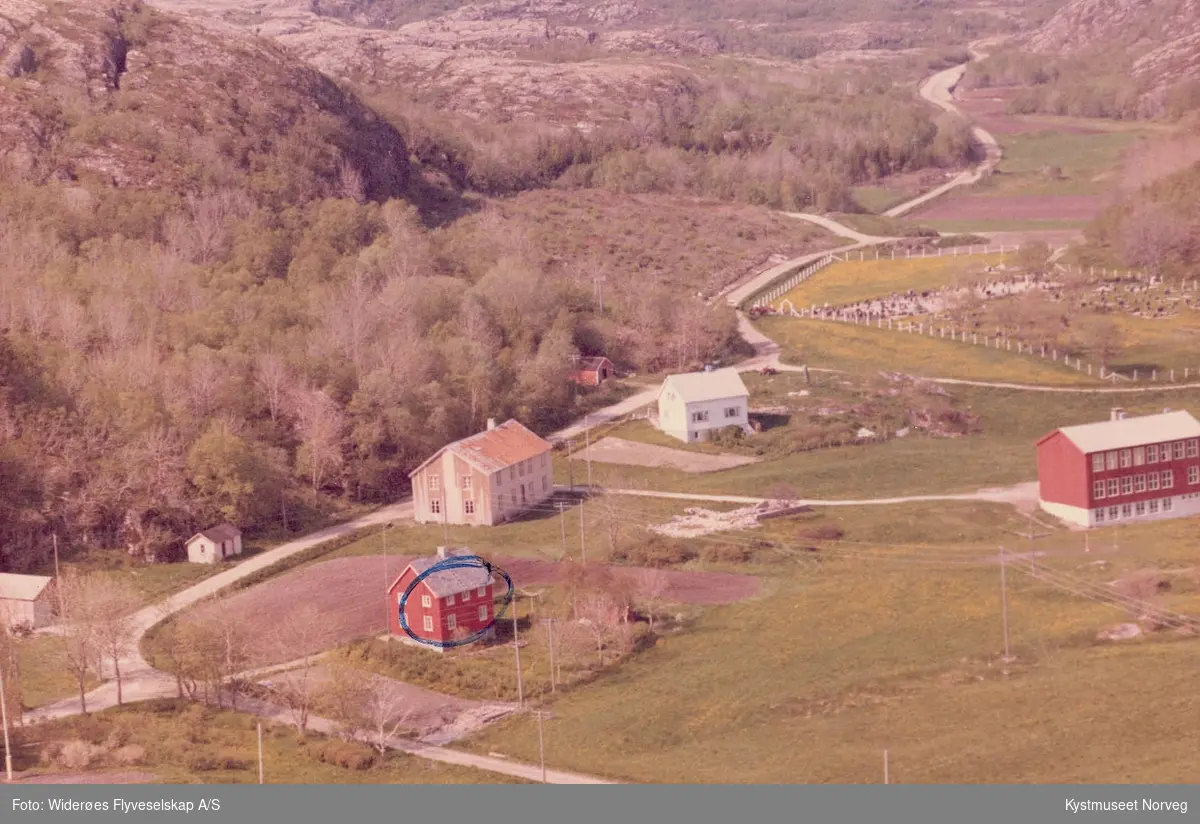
x=1118 y=414
x=491 y=423
x=443 y=552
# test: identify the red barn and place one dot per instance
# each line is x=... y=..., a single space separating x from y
x=592 y=371
x=1122 y=469
x=447 y=605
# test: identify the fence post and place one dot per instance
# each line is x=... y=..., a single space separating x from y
x=1154 y=375
x=1089 y=369
x=1172 y=376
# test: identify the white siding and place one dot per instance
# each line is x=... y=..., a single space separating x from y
x=675 y=418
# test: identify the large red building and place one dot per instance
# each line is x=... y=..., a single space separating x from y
x=447 y=605
x=1122 y=469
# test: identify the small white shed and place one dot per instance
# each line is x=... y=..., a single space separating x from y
x=26 y=600
x=213 y=545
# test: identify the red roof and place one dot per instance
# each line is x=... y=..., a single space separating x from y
x=593 y=364
x=494 y=449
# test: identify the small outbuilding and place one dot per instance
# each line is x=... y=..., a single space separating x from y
x=26 y=600
x=592 y=371
x=213 y=545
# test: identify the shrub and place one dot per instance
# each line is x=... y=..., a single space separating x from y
x=78 y=754
x=346 y=754
x=655 y=551
x=822 y=532
x=130 y=755
x=728 y=436
x=726 y=554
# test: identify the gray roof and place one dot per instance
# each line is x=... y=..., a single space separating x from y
x=14 y=587
x=1133 y=431
x=448 y=582
x=218 y=533
x=694 y=387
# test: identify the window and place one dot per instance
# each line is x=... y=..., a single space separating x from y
x=1140 y=507
x=544 y=459
x=1193 y=475
x=1126 y=510
x=1193 y=448
x=1126 y=458
x=1152 y=453
x=483 y=613
x=512 y=472
x=466 y=482
x=1100 y=515
x=1114 y=487
x=449 y=600
x=482 y=592
x=1114 y=513
x=435 y=482
x=469 y=507
x=1139 y=483
x=522 y=493
x=1127 y=485
x=521 y=469
x=1168 y=478
x=1153 y=476
x=435 y=506
x=429 y=623
x=732 y=411
x=1112 y=460
x=1139 y=456
x=1098 y=489
x=700 y=417
x=1168 y=504
x=1098 y=462
x=545 y=483
x=426 y=601
x=1153 y=507
x=500 y=501
x=1177 y=450
x=466 y=596
x=451 y=621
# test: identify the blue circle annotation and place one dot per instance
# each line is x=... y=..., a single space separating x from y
x=457 y=562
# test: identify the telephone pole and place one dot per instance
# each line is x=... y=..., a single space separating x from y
x=1004 y=603
x=550 y=643
x=885 y=767
x=517 y=650
x=587 y=434
x=582 y=539
x=387 y=601
x=541 y=745
x=4 y=720
x=562 y=512
x=260 y=756
x=599 y=282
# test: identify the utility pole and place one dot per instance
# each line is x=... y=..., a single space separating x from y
x=4 y=720
x=55 y=538
x=582 y=540
x=283 y=508
x=570 y=467
x=1004 y=603
x=446 y=521
x=550 y=643
x=587 y=434
x=885 y=767
x=562 y=513
x=599 y=282
x=260 y=758
x=387 y=601
x=517 y=650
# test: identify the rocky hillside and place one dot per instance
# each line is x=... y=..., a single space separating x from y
x=1162 y=37
x=121 y=95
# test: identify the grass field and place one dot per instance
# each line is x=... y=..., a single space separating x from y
x=876 y=199
x=866 y=349
x=183 y=743
x=1160 y=344
x=861 y=654
x=1005 y=225
x=1002 y=453
x=43 y=671
x=1084 y=160
x=856 y=280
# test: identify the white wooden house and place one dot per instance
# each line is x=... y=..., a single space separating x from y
x=26 y=600
x=692 y=405
x=214 y=545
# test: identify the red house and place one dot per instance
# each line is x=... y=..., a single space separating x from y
x=592 y=371
x=446 y=606
x=1122 y=469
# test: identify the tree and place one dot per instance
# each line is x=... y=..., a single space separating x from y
x=320 y=425
x=297 y=639
x=366 y=707
x=1101 y=338
x=1032 y=257
x=601 y=615
x=240 y=478
x=10 y=662
x=81 y=605
x=115 y=629
x=650 y=590
x=1153 y=235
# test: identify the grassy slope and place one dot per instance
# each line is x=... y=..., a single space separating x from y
x=810 y=684
x=44 y=673
x=853 y=348
x=856 y=280
x=1085 y=160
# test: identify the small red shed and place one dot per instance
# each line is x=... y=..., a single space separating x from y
x=592 y=371
x=445 y=606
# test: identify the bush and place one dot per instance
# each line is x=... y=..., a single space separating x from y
x=656 y=551
x=130 y=756
x=725 y=554
x=222 y=761
x=822 y=532
x=728 y=436
x=347 y=755
x=78 y=754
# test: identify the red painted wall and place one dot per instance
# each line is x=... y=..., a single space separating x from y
x=466 y=612
x=1062 y=471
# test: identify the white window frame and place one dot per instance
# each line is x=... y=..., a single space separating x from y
x=733 y=411
x=483 y=592
x=1126 y=510
x=483 y=612
x=426 y=601
x=1139 y=456
x=466 y=482
x=1114 y=487
x=1177 y=450
x=1193 y=475
x=451 y=621
x=1140 y=508
x=429 y=623
x=450 y=600
x=1193 y=448
x=1098 y=462
x=1139 y=483
x=1153 y=479
x=1114 y=513
x=435 y=506
x=1099 y=515
x=1126 y=458
x=435 y=483
x=1168 y=479
x=1168 y=504
x=1098 y=490
x=469 y=507
x=1127 y=485
x=1111 y=459
x=1152 y=453
x=1153 y=507
x=700 y=417
x=521 y=469
x=545 y=483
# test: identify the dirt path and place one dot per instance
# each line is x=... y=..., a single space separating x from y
x=1017 y=494
x=631 y=453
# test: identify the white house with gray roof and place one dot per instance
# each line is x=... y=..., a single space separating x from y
x=692 y=405
x=26 y=600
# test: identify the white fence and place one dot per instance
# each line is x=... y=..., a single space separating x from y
x=780 y=289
